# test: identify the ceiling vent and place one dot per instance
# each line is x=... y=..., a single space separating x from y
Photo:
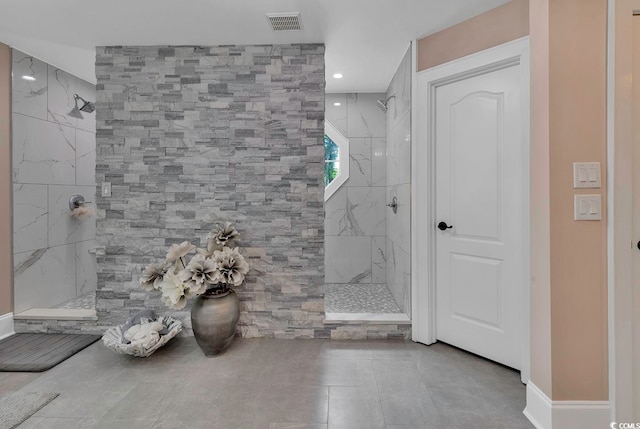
x=285 y=21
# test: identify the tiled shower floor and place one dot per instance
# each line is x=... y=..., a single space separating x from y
x=339 y=298
x=84 y=302
x=359 y=298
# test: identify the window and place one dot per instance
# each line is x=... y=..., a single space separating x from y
x=336 y=160
x=331 y=160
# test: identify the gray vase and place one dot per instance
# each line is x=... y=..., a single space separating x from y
x=214 y=319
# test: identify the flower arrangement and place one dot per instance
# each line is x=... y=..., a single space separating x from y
x=213 y=270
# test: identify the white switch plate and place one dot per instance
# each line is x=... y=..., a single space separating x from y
x=587 y=207
x=106 y=189
x=586 y=175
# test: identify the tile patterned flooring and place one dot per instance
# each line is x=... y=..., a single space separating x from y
x=83 y=302
x=359 y=298
x=279 y=384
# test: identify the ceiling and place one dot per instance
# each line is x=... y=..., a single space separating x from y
x=365 y=39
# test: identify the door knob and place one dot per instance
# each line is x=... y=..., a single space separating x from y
x=442 y=226
x=638 y=245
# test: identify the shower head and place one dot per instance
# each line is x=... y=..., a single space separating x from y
x=75 y=113
x=87 y=107
x=383 y=104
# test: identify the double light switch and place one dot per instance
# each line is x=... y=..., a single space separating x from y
x=587 y=206
x=586 y=175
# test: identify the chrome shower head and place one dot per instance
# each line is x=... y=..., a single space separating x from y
x=75 y=112
x=87 y=107
x=383 y=104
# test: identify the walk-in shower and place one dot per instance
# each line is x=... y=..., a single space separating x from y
x=367 y=220
x=54 y=223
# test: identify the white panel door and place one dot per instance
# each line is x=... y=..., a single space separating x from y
x=479 y=179
x=635 y=186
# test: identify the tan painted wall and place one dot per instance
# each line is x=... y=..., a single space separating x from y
x=568 y=124
x=540 y=202
x=577 y=132
x=6 y=263
x=502 y=24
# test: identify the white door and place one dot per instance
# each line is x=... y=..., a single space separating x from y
x=479 y=143
x=635 y=186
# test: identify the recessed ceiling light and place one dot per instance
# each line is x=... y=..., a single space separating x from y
x=337 y=76
x=27 y=77
x=337 y=104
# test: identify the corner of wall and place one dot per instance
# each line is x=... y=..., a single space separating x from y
x=6 y=260
x=547 y=414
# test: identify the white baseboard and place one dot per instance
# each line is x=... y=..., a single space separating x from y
x=547 y=414
x=6 y=325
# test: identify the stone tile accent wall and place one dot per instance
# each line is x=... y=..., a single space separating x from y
x=192 y=136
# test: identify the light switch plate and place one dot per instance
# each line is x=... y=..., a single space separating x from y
x=587 y=207
x=106 y=189
x=586 y=175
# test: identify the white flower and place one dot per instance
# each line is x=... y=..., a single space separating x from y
x=231 y=266
x=223 y=235
x=199 y=274
x=153 y=275
x=177 y=251
x=211 y=247
x=174 y=292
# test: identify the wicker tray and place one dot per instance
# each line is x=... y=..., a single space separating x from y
x=112 y=339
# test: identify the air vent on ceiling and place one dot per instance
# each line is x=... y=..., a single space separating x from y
x=285 y=21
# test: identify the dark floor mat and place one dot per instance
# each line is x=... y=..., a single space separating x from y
x=40 y=352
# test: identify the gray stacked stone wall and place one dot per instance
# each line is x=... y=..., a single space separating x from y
x=193 y=136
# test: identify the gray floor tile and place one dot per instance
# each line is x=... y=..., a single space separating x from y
x=183 y=424
x=280 y=384
x=403 y=395
x=459 y=399
x=31 y=422
x=123 y=424
x=297 y=426
x=146 y=401
x=287 y=404
x=350 y=350
x=193 y=402
x=86 y=401
x=354 y=408
x=57 y=423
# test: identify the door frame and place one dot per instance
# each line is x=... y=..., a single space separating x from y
x=423 y=279
x=620 y=209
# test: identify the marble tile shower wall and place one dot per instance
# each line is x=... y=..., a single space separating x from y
x=191 y=136
x=398 y=160
x=355 y=226
x=53 y=158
